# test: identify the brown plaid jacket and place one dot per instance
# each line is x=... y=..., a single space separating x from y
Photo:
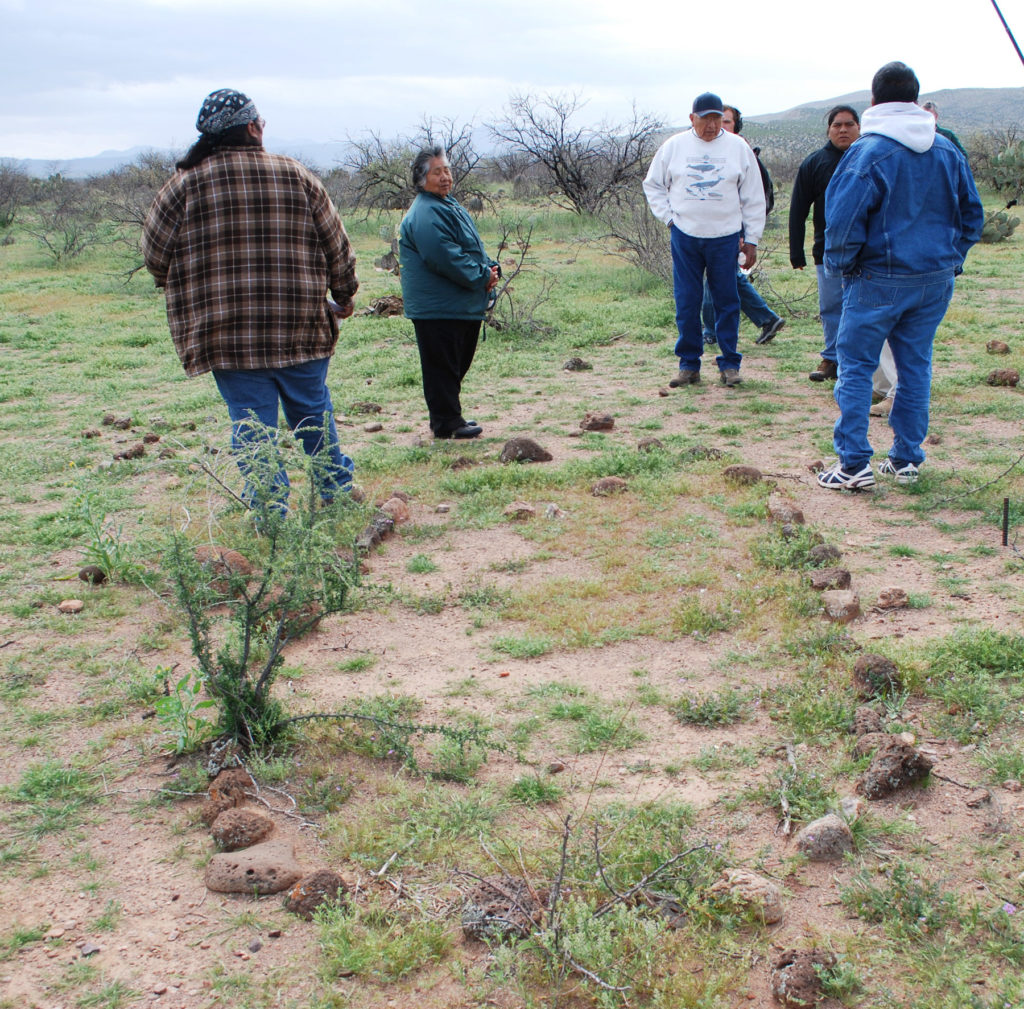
x=246 y=245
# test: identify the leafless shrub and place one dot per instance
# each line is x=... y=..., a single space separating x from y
x=380 y=168
x=66 y=218
x=631 y=232
x=587 y=167
x=510 y=313
x=125 y=196
x=15 y=191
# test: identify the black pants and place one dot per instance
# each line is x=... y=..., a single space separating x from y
x=446 y=349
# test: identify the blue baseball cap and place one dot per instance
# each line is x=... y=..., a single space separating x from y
x=707 y=104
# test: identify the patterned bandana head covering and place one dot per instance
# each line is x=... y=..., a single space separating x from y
x=223 y=109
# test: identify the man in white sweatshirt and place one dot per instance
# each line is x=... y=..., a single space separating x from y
x=705 y=185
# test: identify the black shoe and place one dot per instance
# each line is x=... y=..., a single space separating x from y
x=470 y=429
x=710 y=339
x=769 y=331
x=827 y=371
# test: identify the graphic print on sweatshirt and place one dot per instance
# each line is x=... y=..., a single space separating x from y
x=704 y=174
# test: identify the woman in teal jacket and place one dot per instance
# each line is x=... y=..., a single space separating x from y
x=446 y=277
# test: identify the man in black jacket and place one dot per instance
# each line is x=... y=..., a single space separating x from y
x=809 y=190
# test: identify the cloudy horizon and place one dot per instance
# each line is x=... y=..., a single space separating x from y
x=78 y=80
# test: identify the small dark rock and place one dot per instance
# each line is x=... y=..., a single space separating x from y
x=876 y=676
x=894 y=765
x=255 y=946
x=89 y=949
x=108 y=419
x=609 y=485
x=122 y=423
x=649 y=445
x=824 y=553
x=240 y=828
x=795 y=979
x=312 y=891
x=826 y=839
x=390 y=304
x=501 y=908
x=577 y=364
x=597 y=422
x=781 y=509
x=381 y=526
x=524 y=450
x=892 y=599
x=829 y=578
x=91 y=432
x=997 y=347
x=150 y=438
x=365 y=407
x=742 y=474
x=866 y=720
x=700 y=452
x=93 y=574
x=1003 y=376
x=136 y=451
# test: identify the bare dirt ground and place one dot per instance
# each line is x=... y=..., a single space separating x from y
x=173 y=943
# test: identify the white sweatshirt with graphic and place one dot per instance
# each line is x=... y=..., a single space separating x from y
x=707 y=189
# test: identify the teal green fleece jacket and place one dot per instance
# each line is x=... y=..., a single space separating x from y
x=444 y=266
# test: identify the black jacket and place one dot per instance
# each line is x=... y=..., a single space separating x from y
x=812 y=180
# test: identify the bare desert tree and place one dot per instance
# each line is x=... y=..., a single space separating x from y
x=66 y=218
x=588 y=167
x=15 y=191
x=380 y=168
x=631 y=232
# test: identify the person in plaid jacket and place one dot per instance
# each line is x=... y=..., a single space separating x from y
x=246 y=245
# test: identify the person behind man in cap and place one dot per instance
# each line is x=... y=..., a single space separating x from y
x=705 y=185
x=941 y=130
x=246 y=245
x=812 y=180
x=752 y=305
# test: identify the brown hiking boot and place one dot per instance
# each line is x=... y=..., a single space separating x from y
x=686 y=376
x=730 y=377
x=827 y=371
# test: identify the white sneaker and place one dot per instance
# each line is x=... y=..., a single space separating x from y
x=907 y=473
x=836 y=478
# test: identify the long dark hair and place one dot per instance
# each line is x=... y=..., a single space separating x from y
x=210 y=143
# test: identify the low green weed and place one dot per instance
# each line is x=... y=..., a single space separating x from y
x=905 y=901
x=535 y=790
x=726 y=707
x=371 y=941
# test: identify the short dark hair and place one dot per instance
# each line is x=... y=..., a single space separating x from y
x=421 y=163
x=895 y=82
x=836 y=109
x=736 y=116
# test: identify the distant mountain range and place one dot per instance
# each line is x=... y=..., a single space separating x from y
x=963 y=110
x=321 y=155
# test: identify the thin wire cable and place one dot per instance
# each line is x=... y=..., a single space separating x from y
x=1008 y=32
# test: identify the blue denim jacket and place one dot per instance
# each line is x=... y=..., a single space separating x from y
x=896 y=213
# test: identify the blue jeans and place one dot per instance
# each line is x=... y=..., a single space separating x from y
x=830 y=308
x=252 y=399
x=752 y=305
x=906 y=311
x=692 y=260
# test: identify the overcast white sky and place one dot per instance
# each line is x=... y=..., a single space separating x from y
x=77 y=78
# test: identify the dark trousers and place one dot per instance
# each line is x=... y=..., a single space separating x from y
x=446 y=349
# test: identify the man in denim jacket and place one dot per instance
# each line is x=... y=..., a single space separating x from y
x=901 y=210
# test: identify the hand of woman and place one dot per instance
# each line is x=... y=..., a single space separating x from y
x=493 y=279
